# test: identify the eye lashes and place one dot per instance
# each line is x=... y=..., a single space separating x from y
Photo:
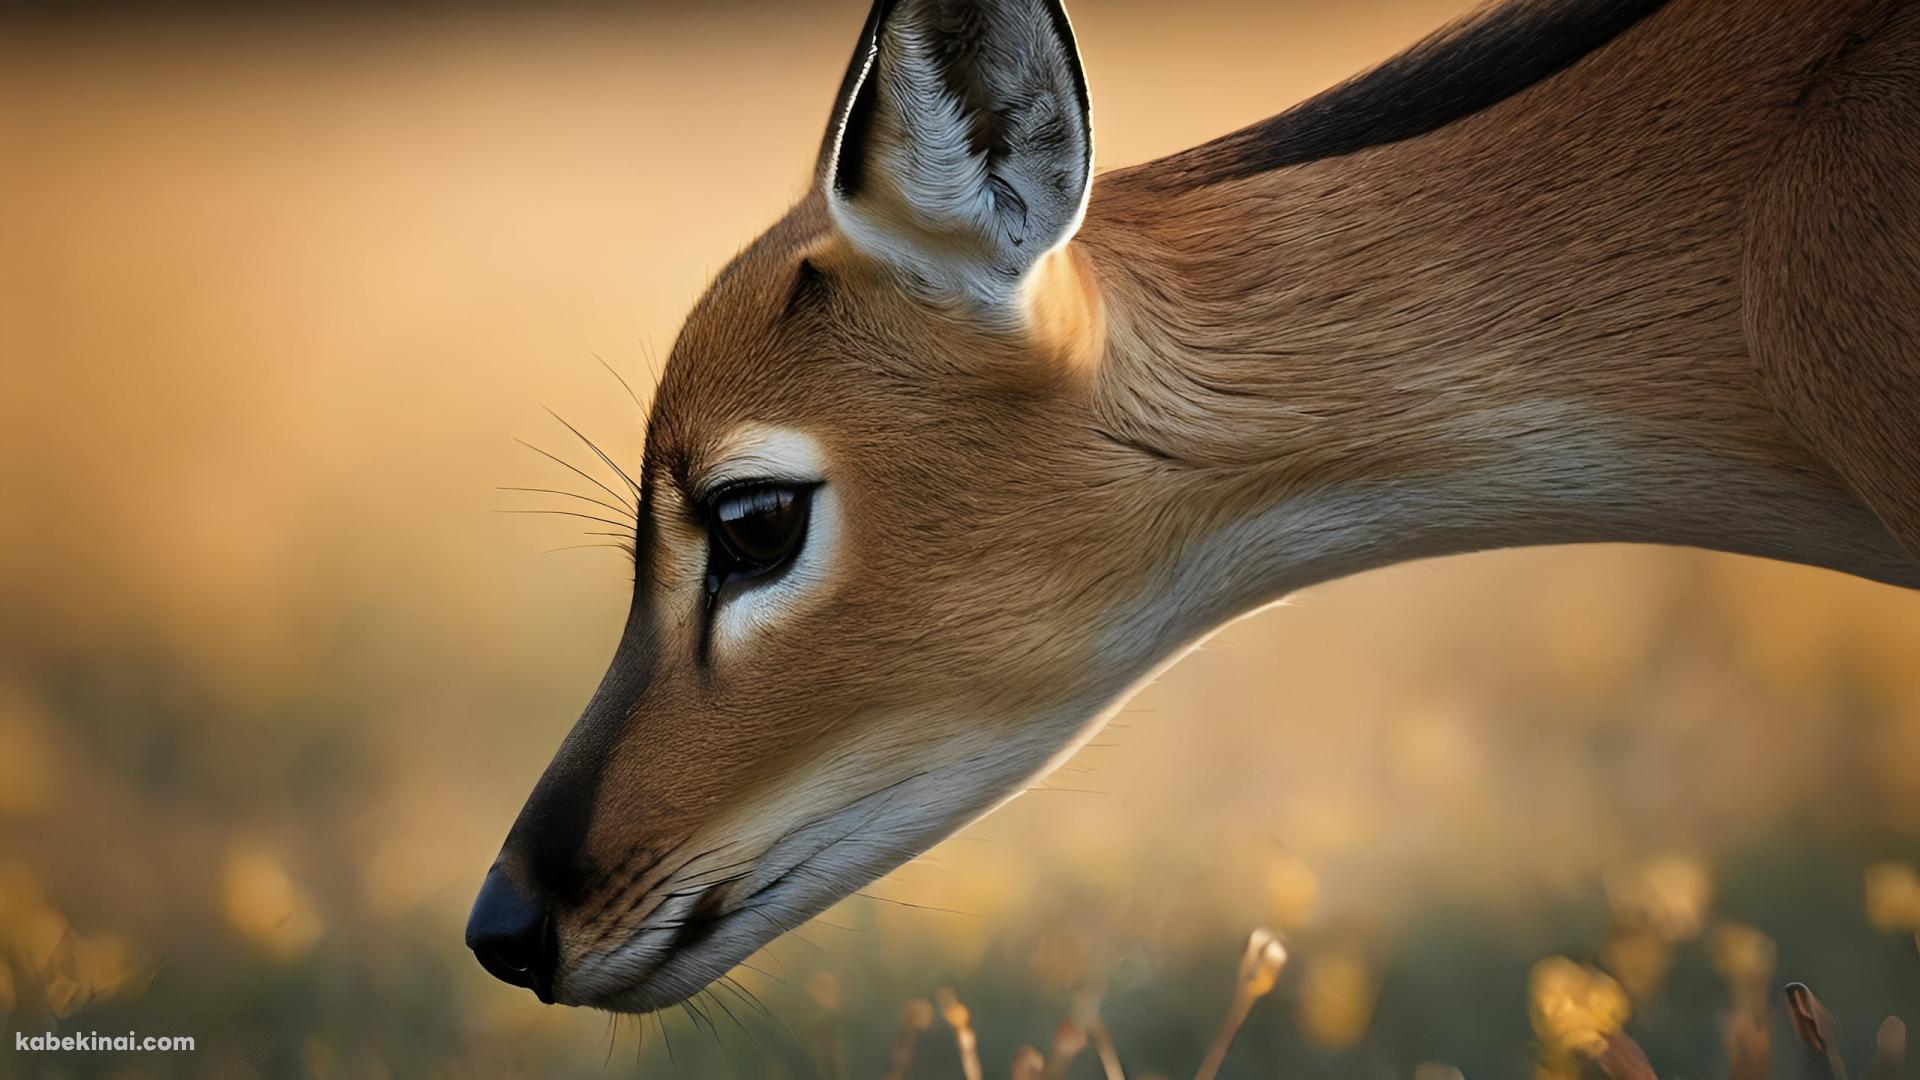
x=740 y=500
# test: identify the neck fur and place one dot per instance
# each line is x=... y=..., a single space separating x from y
x=1371 y=359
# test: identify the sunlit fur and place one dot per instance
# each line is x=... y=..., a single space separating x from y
x=1667 y=295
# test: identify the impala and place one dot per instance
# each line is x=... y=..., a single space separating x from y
x=971 y=443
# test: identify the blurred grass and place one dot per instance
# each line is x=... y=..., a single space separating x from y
x=277 y=294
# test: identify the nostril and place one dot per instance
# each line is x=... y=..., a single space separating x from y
x=512 y=936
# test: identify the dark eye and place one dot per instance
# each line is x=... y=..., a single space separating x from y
x=756 y=527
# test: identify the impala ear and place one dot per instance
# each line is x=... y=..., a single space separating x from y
x=962 y=148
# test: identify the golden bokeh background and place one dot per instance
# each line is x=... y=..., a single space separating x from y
x=278 y=293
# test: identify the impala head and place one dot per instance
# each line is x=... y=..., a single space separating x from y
x=874 y=536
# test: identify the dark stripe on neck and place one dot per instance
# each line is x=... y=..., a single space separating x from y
x=1453 y=74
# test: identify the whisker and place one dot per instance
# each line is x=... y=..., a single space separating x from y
x=578 y=471
x=714 y=1001
x=667 y=1041
x=704 y=1007
x=917 y=907
x=1043 y=786
x=694 y=1018
x=639 y=1040
x=618 y=508
x=595 y=447
x=781 y=1026
x=763 y=972
x=745 y=994
x=568 y=513
x=784 y=930
x=625 y=548
x=623 y=382
x=652 y=358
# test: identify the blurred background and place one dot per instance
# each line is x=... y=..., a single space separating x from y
x=281 y=287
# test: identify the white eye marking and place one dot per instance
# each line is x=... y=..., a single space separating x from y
x=777 y=455
x=759 y=453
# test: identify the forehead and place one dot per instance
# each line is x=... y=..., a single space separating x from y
x=736 y=360
x=801 y=332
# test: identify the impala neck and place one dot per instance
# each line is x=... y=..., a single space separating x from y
x=1382 y=357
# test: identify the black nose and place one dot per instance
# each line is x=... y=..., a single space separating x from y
x=512 y=936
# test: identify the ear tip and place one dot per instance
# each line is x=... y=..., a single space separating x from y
x=965 y=159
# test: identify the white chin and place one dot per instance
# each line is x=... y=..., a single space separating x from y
x=812 y=868
x=802 y=875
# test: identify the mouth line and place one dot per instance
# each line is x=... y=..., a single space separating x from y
x=680 y=960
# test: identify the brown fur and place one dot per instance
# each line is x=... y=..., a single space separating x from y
x=1584 y=243
x=1832 y=277
x=1667 y=295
